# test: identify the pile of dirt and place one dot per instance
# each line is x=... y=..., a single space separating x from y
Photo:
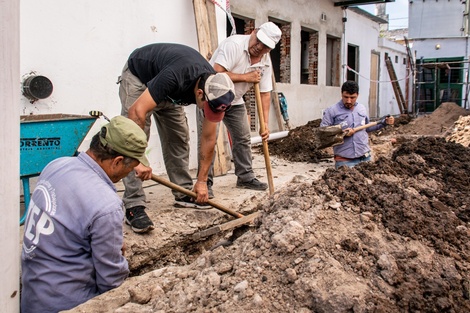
x=460 y=133
x=438 y=123
x=388 y=236
x=385 y=236
x=301 y=143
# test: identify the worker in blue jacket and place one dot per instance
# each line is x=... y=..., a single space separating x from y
x=73 y=239
x=350 y=114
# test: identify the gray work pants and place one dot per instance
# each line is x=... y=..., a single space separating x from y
x=172 y=127
x=236 y=121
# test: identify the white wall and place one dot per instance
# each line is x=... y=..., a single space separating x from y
x=9 y=154
x=437 y=18
x=388 y=103
x=448 y=47
x=81 y=46
x=365 y=33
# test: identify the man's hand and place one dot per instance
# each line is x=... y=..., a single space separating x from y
x=200 y=188
x=349 y=132
x=389 y=120
x=253 y=77
x=143 y=172
x=265 y=135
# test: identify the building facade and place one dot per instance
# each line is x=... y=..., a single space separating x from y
x=438 y=35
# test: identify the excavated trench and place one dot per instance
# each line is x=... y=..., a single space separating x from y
x=386 y=236
x=182 y=250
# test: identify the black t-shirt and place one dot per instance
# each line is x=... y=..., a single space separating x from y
x=169 y=71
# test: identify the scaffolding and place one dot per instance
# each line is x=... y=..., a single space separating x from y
x=438 y=81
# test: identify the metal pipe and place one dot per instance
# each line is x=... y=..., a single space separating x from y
x=273 y=136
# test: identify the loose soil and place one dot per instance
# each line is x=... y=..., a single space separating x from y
x=385 y=236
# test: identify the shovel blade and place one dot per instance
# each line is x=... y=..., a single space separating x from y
x=329 y=136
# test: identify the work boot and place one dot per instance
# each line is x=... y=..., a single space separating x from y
x=210 y=191
x=188 y=202
x=254 y=184
x=138 y=219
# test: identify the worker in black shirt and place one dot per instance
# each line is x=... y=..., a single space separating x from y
x=159 y=80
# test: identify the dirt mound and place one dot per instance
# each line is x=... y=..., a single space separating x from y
x=437 y=123
x=460 y=133
x=300 y=145
x=388 y=236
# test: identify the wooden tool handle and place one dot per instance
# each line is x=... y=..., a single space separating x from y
x=262 y=126
x=187 y=192
x=365 y=126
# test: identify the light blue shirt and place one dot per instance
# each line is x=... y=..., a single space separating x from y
x=356 y=145
x=72 y=237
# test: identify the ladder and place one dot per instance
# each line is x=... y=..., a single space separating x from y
x=395 y=85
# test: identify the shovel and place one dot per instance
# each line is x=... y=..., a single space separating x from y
x=241 y=219
x=267 y=161
x=193 y=195
x=329 y=136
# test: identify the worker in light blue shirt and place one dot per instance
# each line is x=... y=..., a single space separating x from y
x=350 y=114
x=73 y=241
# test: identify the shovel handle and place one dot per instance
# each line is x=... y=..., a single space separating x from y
x=368 y=125
x=365 y=126
x=262 y=126
x=187 y=192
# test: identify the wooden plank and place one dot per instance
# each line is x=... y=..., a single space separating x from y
x=277 y=107
x=206 y=28
x=226 y=226
x=212 y=26
x=395 y=85
x=222 y=158
x=202 y=28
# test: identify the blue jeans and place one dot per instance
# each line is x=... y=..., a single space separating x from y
x=353 y=162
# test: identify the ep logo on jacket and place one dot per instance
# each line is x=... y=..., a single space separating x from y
x=38 y=223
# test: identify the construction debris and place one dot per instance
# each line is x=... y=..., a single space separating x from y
x=387 y=236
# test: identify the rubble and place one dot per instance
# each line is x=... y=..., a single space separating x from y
x=386 y=236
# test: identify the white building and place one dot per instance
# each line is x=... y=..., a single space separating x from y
x=438 y=32
x=81 y=47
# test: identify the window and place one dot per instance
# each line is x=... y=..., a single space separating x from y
x=333 y=64
x=281 y=55
x=309 y=57
x=353 y=57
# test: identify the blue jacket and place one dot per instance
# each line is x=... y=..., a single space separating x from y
x=72 y=237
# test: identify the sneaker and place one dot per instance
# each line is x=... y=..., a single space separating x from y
x=210 y=192
x=188 y=202
x=138 y=219
x=254 y=184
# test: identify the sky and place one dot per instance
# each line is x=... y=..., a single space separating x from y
x=397 y=13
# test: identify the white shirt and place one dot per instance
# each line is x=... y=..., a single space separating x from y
x=233 y=55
